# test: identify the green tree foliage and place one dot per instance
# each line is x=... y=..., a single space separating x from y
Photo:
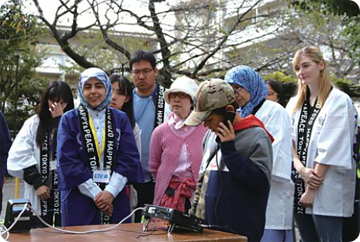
x=337 y=7
x=280 y=77
x=18 y=59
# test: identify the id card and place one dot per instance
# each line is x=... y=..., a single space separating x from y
x=101 y=176
x=52 y=165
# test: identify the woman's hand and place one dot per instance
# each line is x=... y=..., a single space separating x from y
x=109 y=210
x=226 y=133
x=43 y=192
x=57 y=109
x=104 y=202
x=307 y=199
x=312 y=179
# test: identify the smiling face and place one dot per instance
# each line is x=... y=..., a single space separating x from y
x=144 y=75
x=308 y=71
x=94 y=92
x=241 y=95
x=118 y=98
x=180 y=104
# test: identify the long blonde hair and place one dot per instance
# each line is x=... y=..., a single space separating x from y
x=324 y=83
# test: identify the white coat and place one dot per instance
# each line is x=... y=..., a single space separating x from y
x=331 y=143
x=24 y=153
x=279 y=209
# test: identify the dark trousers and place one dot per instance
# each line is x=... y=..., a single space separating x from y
x=319 y=228
x=1 y=198
x=145 y=195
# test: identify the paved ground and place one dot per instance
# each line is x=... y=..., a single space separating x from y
x=9 y=193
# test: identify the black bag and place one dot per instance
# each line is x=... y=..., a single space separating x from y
x=351 y=225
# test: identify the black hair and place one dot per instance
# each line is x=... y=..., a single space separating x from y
x=55 y=91
x=277 y=87
x=222 y=111
x=142 y=55
x=125 y=87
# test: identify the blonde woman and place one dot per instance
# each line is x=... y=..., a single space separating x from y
x=323 y=122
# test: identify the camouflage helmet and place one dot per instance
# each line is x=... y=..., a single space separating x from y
x=210 y=95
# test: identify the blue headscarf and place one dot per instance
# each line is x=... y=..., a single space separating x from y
x=249 y=79
x=101 y=76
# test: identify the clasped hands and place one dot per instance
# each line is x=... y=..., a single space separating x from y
x=313 y=182
x=104 y=202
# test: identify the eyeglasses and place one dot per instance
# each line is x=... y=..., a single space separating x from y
x=270 y=94
x=181 y=95
x=142 y=71
x=237 y=89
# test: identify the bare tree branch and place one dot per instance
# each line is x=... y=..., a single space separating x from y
x=217 y=48
x=63 y=41
x=104 y=32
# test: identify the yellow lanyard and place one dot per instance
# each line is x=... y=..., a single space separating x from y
x=95 y=138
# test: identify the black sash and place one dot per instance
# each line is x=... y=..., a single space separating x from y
x=90 y=147
x=258 y=107
x=159 y=106
x=306 y=121
x=50 y=208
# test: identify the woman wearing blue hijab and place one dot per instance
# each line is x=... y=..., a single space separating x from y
x=97 y=156
x=250 y=92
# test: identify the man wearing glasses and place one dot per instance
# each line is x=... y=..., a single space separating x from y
x=150 y=110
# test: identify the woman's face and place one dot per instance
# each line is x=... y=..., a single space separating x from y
x=56 y=108
x=271 y=94
x=180 y=104
x=118 y=99
x=241 y=95
x=94 y=92
x=308 y=71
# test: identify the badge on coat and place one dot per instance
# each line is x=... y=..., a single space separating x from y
x=100 y=176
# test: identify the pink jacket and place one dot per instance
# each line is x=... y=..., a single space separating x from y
x=165 y=148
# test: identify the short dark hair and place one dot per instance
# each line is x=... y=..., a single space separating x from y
x=140 y=55
x=126 y=89
x=278 y=88
x=222 y=111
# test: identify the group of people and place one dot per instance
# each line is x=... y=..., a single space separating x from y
x=226 y=151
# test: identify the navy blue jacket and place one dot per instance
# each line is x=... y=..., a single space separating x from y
x=5 y=144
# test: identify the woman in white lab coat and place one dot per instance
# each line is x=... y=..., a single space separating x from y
x=250 y=92
x=323 y=121
x=32 y=156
